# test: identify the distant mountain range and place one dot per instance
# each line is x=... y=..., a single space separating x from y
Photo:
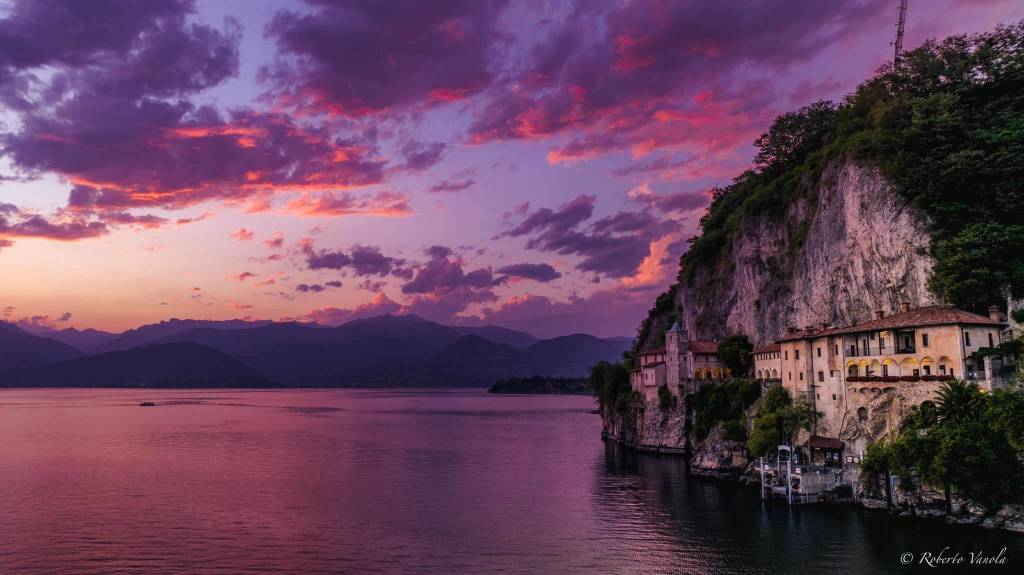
x=382 y=351
x=20 y=350
x=164 y=365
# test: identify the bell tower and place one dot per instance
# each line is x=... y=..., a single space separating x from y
x=674 y=357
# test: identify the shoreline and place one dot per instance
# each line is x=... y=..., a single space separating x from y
x=1009 y=518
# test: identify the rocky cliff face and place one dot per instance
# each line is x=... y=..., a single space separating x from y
x=847 y=248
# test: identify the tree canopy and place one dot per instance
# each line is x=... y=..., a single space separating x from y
x=735 y=352
x=971 y=441
x=945 y=126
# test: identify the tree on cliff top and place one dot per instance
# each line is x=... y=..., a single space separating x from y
x=946 y=127
x=735 y=352
x=793 y=135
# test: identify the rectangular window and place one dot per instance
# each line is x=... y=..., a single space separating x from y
x=872 y=336
x=791 y=376
x=817 y=396
x=942 y=369
x=967 y=337
x=821 y=377
x=819 y=352
x=927 y=369
x=837 y=349
x=924 y=340
x=801 y=376
x=853 y=349
x=885 y=370
x=881 y=343
x=990 y=340
x=787 y=354
x=833 y=397
x=796 y=354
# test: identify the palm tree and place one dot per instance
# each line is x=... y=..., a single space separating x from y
x=956 y=400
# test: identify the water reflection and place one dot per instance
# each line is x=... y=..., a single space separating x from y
x=678 y=523
x=392 y=481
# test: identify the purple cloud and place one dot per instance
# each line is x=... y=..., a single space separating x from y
x=363 y=57
x=361 y=260
x=453 y=186
x=614 y=246
x=441 y=288
x=543 y=273
x=419 y=156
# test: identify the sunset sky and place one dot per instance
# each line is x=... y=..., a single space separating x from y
x=532 y=164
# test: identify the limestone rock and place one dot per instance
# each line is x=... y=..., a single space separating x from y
x=835 y=256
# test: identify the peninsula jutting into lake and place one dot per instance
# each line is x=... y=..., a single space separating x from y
x=511 y=286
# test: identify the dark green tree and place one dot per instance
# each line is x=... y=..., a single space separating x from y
x=610 y=383
x=735 y=352
x=793 y=134
x=975 y=266
x=970 y=442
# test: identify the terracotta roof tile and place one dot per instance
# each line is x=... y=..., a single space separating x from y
x=768 y=348
x=821 y=442
x=702 y=346
x=922 y=316
x=652 y=351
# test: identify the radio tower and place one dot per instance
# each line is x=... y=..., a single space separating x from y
x=899 y=34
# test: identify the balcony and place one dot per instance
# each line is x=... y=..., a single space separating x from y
x=896 y=378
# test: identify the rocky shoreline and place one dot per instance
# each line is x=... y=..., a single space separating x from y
x=647 y=429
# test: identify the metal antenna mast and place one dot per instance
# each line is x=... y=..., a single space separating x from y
x=899 y=33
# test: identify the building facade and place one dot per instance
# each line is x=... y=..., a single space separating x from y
x=843 y=372
x=650 y=374
x=681 y=365
x=767 y=361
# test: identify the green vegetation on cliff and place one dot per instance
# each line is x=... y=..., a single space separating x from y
x=610 y=383
x=946 y=127
x=778 y=420
x=735 y=352
x=724 y=403
x=970 y=441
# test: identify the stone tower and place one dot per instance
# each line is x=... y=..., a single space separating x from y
x=673 y=357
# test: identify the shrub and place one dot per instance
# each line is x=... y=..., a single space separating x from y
x=666 y=400
x=723 y=402
x=735 y=352
x=970 y=441
x=610 y=384
x=778 y=420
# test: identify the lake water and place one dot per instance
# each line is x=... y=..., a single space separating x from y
x=351 y=481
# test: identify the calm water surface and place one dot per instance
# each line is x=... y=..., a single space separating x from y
x=347 y=481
